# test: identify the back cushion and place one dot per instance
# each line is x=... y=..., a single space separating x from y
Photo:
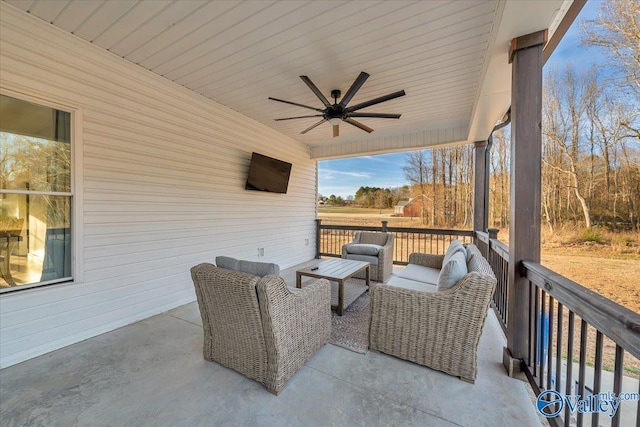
x=454 y=247
x=452 y=271
x=227 y=262
x=260 y=269
x=374 y=238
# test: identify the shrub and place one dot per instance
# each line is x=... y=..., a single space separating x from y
x=591 y=235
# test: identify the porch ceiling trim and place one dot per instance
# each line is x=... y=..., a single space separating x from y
x=392 y=143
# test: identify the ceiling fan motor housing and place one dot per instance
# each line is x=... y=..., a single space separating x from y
x=335 y=111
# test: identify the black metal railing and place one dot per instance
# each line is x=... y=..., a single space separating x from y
x=581 y=343
x=407 y=240
x=497 y=253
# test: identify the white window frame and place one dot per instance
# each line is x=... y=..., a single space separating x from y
x=77 y=221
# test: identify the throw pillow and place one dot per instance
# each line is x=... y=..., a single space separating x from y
x=452 y=271
x=472 y=250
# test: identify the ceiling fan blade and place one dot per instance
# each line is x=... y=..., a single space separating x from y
x=299 y=117
x=315 y=90
x=358 y=125
x=296 y=104
x=314 y=126
x=375 y=115
x=336 y=130
x=378 y=100
x=355 y=87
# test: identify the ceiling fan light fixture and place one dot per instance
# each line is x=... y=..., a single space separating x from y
x=339 y=112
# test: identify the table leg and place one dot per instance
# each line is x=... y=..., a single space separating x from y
x=298 y=280
x=340 y=297
x=367 y=275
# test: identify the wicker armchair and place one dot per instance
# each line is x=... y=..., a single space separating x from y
x=381 y=262
x=440 y=329
x=258 y=326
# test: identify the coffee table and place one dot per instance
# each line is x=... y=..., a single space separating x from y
x=336 y=270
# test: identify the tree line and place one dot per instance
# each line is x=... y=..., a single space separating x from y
x=370 y=197
x=590 y=143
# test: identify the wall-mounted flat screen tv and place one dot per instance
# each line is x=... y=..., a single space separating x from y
x=268 y=174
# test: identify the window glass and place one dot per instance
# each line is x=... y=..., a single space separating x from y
x=36 y=154
x=35 y=194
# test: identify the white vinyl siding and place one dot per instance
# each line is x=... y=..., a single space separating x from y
x=161 y=188
x=387 y=144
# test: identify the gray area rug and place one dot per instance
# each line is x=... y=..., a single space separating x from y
x=351 y=330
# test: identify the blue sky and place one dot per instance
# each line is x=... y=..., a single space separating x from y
x=343 y=177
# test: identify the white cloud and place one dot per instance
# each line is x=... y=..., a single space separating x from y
x=333 y=174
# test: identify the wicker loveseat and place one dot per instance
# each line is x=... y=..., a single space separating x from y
x=374 y=247
x=415 y=321
x=258 y=326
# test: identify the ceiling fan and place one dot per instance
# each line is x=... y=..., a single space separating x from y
x=338 y=111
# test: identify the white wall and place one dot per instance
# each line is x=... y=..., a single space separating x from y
x=161 y=188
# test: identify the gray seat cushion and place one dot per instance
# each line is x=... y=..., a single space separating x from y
x=452 y=271
x=420 y=274
x=372 y=259
x=260 y=269
x=363 y=249
x=401 y=282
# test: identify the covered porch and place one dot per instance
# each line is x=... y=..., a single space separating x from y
x=163 y=128
x=152 y=373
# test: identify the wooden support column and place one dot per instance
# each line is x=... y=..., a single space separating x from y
x=526 y=164
x=480 y=195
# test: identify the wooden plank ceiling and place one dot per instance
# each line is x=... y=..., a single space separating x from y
x=239 y=53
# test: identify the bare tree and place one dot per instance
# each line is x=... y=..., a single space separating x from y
x=566 y=97
x=617 y=31
x=416 y=171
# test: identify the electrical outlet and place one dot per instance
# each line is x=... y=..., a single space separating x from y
x=306 y=242
x=260 y=251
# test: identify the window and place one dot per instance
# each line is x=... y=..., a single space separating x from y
x=35 y=195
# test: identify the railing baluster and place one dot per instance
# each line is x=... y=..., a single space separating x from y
x=536 y=303
x=414 y=247
x=597 y=379
x=638 y=407
x=617 y=383
x=583 y=364
x=543 y=333
x=532 y=321
x=568 y=388
x=505 y=274
x=559 y=349
x=550 y=344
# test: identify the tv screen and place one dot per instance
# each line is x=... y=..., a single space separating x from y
x=268 y=174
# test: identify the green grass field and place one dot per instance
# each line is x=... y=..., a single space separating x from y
x=353 y=210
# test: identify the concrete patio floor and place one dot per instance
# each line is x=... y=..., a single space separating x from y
x=151 y=373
